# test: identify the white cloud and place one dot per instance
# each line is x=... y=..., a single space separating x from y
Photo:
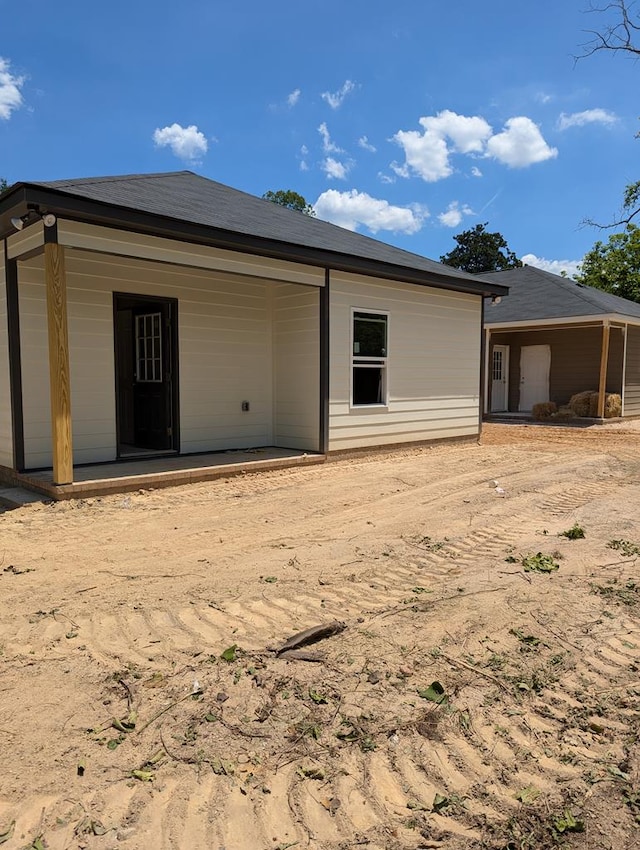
x=400 y=170
x=589 y=116
x=454 y=214
x=294 y=97
x=335 y=99
x=187 y=143
x=350 y=209
x=543 y=97
x=520 y=144
x=429 y=153
x=304 y=150
x=334 y=169
x=571 y=267
x=10 y=85
x=327 y=145
x=363 y=142
x=475 y=171
x=385 y=178
x=468 y=134
x=303 y=166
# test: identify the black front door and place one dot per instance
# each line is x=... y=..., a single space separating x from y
x=145 y=369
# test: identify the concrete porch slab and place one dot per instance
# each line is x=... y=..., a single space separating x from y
x=154 y=472
x=17 y=497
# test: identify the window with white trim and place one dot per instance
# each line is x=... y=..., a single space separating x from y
x=149 y=348
x=369 y=358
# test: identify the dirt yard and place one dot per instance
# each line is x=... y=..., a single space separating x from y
x=483 y=693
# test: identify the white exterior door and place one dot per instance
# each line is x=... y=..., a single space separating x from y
x=500 y=378
x=535 y=363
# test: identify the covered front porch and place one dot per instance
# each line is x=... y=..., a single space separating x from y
x=528 y=364
x=138 y=361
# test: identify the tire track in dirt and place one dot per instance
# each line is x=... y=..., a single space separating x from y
x=376 y=787
x=576 y=497
x=137 y=635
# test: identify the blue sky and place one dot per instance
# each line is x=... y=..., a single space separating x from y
x=407 y=121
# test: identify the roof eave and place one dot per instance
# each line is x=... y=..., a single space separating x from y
x=599 y=318
x=99 y=212
x=12 y=204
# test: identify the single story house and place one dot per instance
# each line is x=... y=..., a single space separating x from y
x=163 y=315
x=553 y=337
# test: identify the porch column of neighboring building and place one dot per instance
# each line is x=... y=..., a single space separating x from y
x=604 y=362
x=486 y=367
x=625 y=331
x=59 y=379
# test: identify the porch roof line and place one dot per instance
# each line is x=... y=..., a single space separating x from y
x=183 y=205
x=594 y=320
x=535 y=294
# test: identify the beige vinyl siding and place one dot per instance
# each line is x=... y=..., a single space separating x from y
x=296 y=367
x=91 y=367
x=6 y=435
x=632 y=373
x=433 y=363
x=29 y=239
x=225 y=355
x=34 y=361
x=137 y=245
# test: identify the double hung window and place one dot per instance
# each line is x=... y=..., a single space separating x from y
x=369 y=358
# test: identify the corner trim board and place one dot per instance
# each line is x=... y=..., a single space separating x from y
x=15 y=360
x=324 y=364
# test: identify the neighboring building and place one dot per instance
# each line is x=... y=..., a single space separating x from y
x=167 y=314
x=553 y=337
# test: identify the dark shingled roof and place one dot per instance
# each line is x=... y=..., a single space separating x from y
x=535 y=294
x=188 y=197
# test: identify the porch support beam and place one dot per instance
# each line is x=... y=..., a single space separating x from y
x=625 y=332
x=59 y=379
x=604 y=362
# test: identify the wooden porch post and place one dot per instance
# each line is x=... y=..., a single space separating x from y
x=59 y=383
x=604 y=362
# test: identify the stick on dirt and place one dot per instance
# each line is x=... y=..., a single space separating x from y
x=312 y=635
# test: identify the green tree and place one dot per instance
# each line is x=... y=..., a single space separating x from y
x=289 y=199
x=3 y=185
x=615 y=265
x=480 y=251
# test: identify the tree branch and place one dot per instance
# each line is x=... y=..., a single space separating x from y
x=619 y=37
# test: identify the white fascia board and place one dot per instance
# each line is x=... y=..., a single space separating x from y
x=612 y=318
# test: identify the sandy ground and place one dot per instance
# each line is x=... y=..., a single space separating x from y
x=467 y=703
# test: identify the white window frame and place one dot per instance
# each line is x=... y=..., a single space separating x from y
x=148 y=363
x=375 y=362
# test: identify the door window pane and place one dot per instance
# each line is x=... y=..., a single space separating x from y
x=148 y=348
x=497 y=365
